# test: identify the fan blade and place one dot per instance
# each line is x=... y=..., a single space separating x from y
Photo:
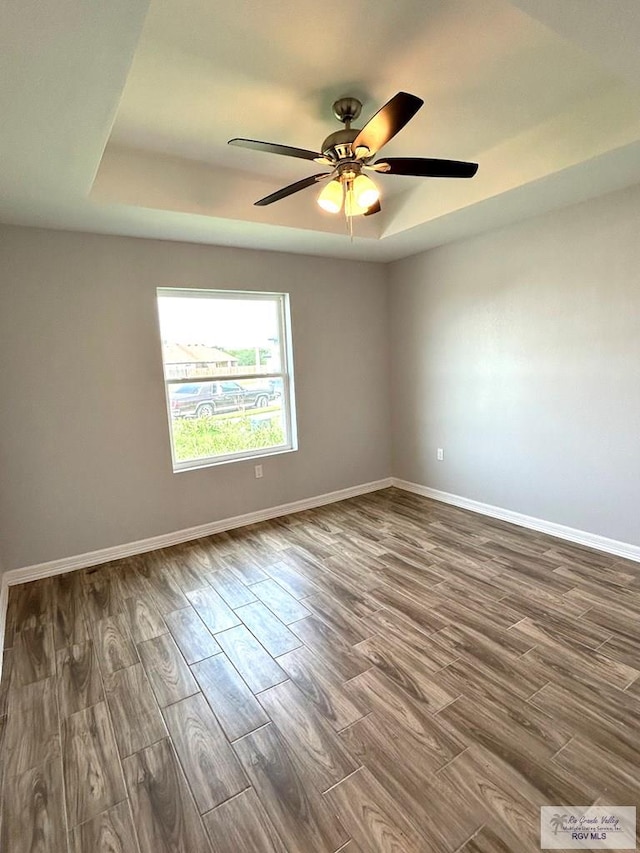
x=274 y=148
x=292 y=188
x=424 y=167
x=387 y=122
x=375 y=208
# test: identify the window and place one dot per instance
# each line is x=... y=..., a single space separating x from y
x=227 y=374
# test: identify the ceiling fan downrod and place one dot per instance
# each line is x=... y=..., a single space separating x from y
x=337 y=146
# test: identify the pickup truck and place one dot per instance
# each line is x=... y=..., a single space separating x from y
x=204 y=399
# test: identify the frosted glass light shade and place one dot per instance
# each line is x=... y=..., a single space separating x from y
x=330 y=199
x=365 y=191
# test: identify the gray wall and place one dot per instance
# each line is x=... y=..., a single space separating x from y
x=518 y=352
x=84 y=445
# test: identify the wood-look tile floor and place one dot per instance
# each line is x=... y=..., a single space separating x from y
x=383 y=674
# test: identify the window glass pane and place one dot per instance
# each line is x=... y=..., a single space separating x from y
x=213 y=421
x=211 y=336
x=225 y=362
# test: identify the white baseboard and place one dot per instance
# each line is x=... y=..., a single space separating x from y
x=560 y=531
x=4 y=601
x=118 y=552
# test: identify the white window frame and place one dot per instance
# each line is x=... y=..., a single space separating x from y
x=285 y=374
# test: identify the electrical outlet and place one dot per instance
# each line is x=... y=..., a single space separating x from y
x=440 y=454
x=258 y=470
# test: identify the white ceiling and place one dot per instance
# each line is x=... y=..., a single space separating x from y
x=116 y=115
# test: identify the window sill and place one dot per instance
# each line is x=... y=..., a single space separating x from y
x=214 y=462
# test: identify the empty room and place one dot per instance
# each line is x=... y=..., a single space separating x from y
x=320 y=426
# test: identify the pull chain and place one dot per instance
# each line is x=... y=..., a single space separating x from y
x=348 y=207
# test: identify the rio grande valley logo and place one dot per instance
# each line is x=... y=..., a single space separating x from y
x=588 y=827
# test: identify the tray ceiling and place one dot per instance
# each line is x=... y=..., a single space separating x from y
x=116 y=116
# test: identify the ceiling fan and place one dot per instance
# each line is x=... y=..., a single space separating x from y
x=349 y=153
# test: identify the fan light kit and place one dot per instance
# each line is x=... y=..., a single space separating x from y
x=350 y=152
x=357 y=192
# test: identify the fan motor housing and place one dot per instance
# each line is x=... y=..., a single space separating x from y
x=337 y=146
